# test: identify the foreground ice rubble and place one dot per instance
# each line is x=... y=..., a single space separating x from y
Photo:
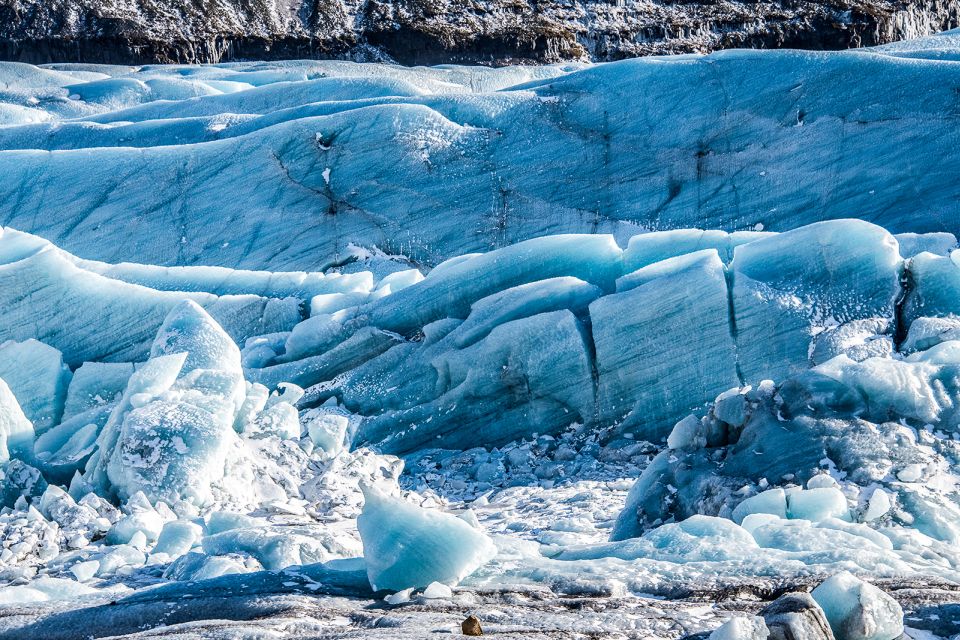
x=784 y=406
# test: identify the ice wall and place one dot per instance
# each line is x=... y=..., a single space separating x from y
x=225 y=167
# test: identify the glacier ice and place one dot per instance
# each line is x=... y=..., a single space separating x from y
x=391 y=141
x=408 y=546
x=16 y=431
x=857 y=610
x=36 y=374
x=780 y=396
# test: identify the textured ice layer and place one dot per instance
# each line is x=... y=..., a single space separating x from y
x=283 y=165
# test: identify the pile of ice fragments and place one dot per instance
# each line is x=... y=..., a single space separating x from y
x=787 y=402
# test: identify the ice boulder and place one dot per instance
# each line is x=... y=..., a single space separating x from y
x=406 y=546
x=96 y=384
x=16 y=432
x=742 y=628
x=935 y=286
x=170 y=433
x=38 y=378
x=858 y=610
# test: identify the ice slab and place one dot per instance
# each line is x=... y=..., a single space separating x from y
x=408 y=546
x=680 y=301
x=38 y=377
x=16 y=431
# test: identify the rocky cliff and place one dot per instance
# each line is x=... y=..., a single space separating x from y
x=439 y=31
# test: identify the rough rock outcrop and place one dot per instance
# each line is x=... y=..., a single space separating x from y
x=439 y=31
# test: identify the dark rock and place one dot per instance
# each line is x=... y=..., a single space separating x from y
x=442 y=31
x=471 y=626
x=796 y=616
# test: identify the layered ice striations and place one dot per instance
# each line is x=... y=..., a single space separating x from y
x=366 y=154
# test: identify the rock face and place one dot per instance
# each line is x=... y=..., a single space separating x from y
x=440 y=31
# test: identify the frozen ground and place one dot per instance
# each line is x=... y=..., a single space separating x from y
x=633 y=433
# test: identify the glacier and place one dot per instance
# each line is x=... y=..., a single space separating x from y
x=490 y=342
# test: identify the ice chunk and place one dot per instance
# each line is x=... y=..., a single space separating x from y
x=16 y=431
x=817 y=504
x=936 y=286
x=877 y=506
x=95 y=384
x=177 y=538
x=436 y=590
x=677 y=301
x=84 y=571
x=328 y=431
x=685 y=434
x=407 y=546
x=147 y=522
x=189 y=329
x=858 y=610
x=911 y=244
x=38 y=378
x=280 y=419
x=742 y=628
x=796 y=616
x=772 y=501
x=170 y=440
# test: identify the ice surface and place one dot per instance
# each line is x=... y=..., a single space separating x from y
x=379 y=146
x=16 y=431
x=858 y=610
x=38 y=378
x=408 y=546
